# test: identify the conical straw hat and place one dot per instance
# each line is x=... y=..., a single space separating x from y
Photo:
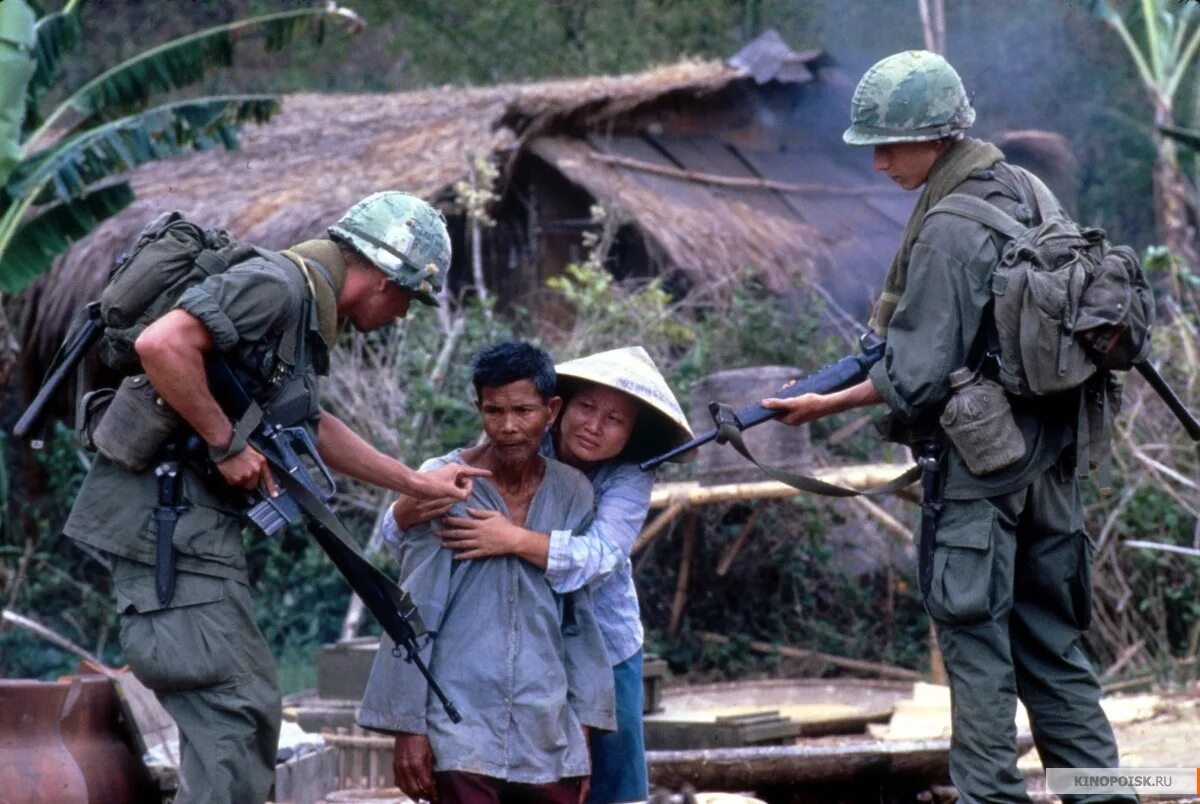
x=632 y=371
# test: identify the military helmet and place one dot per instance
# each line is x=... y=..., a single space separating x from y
x=402 y=235
x=908 y=97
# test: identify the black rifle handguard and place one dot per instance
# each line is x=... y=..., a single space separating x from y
x=841 y=374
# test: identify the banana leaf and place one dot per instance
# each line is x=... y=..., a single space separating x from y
x=129 y=86
x=52 y=231
x=68 y=167
x=60 y=176
x=17 y=65
x=56 y=34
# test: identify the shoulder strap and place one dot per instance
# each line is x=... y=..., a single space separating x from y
x=1045 y=201
x=980 y=211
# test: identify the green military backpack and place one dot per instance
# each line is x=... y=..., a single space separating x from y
x=1067 y=303
x=169 y=256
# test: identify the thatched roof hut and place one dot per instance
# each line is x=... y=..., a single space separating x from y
x=718 y=169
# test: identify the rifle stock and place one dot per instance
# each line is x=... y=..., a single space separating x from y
x=849 y=370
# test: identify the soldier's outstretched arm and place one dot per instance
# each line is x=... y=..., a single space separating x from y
x=172 y=353
x=810 y=407
x=345 y=451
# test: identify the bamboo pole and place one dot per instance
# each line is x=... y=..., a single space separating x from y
x=742 y=537
x=874 y=668
x=691 y=523
x=937 y=665
x=740 y=182
x=693 y=494
x=889 y=522
x=660 y=522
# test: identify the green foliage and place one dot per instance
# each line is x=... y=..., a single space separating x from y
x=759 y=327
x=110 y=130
x=57 y=34
x=44 y=575
x=789 y=586
x=65 y=174
x=608 y=314
x=299 y=599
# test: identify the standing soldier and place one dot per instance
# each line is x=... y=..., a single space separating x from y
x=274 y=318
x=1005 y=563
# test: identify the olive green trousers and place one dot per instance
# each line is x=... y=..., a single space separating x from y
x=1011 y=596
x=209 y=665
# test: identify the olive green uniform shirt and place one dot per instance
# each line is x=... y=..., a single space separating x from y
x=250 y=309
x=941 y=324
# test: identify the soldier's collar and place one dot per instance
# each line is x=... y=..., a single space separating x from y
x=327 y=282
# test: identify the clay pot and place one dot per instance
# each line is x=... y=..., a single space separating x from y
x=97 y=738
x=35 y=765
x=64 y=741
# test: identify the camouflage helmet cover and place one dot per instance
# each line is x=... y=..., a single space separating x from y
x=911 y=96
x=403 y=236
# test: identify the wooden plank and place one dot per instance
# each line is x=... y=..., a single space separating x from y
x=153 y=728
x=307 y=779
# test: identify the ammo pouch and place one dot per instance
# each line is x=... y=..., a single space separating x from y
x=978 y=420
x=135 y=426
x=88 y=413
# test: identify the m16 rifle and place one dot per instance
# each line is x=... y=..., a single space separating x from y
x=839 y=375
x=289 y=451
x=302 y=497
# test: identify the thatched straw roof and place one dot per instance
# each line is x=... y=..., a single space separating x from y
x=710 y=236
x=297 y=174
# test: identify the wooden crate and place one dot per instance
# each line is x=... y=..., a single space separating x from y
x=728 y=731
x=654 y=673
x=364 y=760
x=343 y=668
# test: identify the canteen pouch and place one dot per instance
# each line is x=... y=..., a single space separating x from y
x=979 y=422
x=136 y=425
x=88 y=413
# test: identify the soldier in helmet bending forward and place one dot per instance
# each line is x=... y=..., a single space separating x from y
x=1005 y=563
x=274 y=319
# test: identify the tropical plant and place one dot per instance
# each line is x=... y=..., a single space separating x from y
x=1162 y=37
x=66 y=179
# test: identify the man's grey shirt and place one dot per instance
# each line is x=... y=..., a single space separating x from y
x=525 y=666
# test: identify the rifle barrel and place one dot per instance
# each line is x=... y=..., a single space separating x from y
x=89 y=333
x=1160 y=386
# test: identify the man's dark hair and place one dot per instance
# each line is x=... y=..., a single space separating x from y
x=510 y=362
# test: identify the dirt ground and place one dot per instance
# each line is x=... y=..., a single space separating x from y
x=1168 y=739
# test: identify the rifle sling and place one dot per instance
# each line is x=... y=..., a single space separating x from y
x=389 y=604
x=728 y=431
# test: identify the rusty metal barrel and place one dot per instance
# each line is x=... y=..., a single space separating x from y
x=771 y=443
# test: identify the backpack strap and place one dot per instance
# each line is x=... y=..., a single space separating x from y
x=980 y=211
x=1047 y=205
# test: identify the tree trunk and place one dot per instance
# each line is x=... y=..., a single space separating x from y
x=1170 y=203
x=9 y=348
